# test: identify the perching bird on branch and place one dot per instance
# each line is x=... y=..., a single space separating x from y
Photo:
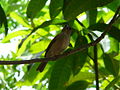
x=57 y=45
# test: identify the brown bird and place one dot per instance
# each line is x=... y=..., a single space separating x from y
x=57 y=45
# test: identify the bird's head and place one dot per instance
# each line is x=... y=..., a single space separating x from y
x=67 y=29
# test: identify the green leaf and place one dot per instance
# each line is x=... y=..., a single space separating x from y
x=23 y=45
x=117 y=57
x=60 y=74
x=34 y=7
x=19 y=19
x=75 y=7
x=31 y=76
x=89 y=76
x=111 y=64
x=113 y=6
x=112 y=83
x=104 y=71
x=114 y=32
x=79 y=58
x=15 y=34
x=52 y=22
x=79 y=85
x=55 y=7
x=39 y=46
x=3 y=20
x=92 y=16
x=114 y=46
x=12 y=1
x=47 y=23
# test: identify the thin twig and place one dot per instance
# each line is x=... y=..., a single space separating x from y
x=115 y=18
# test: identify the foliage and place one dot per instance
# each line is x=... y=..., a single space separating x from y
x=32 y=24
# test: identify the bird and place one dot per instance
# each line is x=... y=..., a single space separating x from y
x=57 y=45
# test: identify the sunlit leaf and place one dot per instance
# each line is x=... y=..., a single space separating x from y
x=19 y=19
x=39 y=46
x=15 y=34
x=112 y=83
x=87 y=76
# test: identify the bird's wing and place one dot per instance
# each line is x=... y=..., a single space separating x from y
x=51 y=43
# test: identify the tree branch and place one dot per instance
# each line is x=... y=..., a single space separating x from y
x=96 y=67
x=115 y=17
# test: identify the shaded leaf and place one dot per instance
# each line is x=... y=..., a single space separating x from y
x=75 y=7
x=79 y=58
x=34 y=7
x=113 y=6
x=111 y=64
x=92 y=16
x=55 y=8
x=52 y=22
x=79 y=85
x=3 y=20
x=114 y=32
x=114 y=46
x=60 y=74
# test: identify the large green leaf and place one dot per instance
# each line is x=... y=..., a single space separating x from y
x=34 y=7
x=39 y=46
x=60 y=74
x=114 y=32
x=79 y=85
x=15 y=34
x=89 y=76
x=75 y=7
x=55 y=7
x=114 y=46
x=79 y=58
x=111 y=64
x=92 y=16
x=113 y=6
x=24 y=42
x=3 y=20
